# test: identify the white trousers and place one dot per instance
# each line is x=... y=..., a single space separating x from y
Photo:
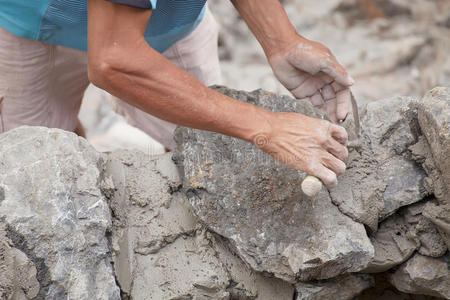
x=43 y=85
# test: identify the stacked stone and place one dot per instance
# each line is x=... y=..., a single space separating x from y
x=230 y=222
x=396 y=186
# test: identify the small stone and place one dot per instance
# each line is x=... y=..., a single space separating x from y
x=394 y=243
x=424 y=275
x=431 y=242
x=344 y=287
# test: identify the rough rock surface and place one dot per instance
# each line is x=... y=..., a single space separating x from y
x=160 y=249
x=344 y=287
x=424 y=275
x=387 y=179
x=58 y=237
x=255 y=202
x=434 y=120
x=394 y=242
x=54 y=212
x=439 y=215
x=433 y=151
x=425 y=232
x=17 y=272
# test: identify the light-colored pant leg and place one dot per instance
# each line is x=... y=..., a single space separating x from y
x=41 y=84
x=198 y=55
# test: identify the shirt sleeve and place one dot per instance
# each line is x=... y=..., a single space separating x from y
x=146 y=4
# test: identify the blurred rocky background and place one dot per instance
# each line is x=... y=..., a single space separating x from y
x=391 y=47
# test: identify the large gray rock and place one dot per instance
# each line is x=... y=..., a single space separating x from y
x=344 y=287
x=161 y=251
x=386 y=178
x=257 y=203
x=54 y=212
x=424 y=275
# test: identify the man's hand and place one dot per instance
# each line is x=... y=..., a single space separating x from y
x=315 y=146
x=309 y=70
x=306 y=68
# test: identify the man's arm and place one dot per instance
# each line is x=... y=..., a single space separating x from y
x=269 y=23
x=306 y=68
x=121 y=62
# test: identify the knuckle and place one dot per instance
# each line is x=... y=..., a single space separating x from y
x=330 y=180
x=341 y=167
x=345 y=153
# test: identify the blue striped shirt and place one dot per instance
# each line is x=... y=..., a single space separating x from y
x=64 y=22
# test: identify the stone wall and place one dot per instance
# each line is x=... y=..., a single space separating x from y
x=219 y=219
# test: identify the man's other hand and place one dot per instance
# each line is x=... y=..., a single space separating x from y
x=309 y=70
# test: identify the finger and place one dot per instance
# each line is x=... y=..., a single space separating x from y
x=317 y=100
x=328 y=92
x=308 y=87
x=334 y=164
x=335 y=70
x=337 y=149
x=330 y=102
x=343 y=104
x=339 y=134
x=343 y=107
x=327 y=176
x=330 y=106
x=327 y=78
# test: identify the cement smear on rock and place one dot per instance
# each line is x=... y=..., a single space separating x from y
x=161 y=251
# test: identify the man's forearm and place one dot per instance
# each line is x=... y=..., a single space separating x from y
x=269 y=23
x=121 y=62
x=169 y=93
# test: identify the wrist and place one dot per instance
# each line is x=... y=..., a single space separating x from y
x=273 y=46
x=261 y=133
x=259 y=126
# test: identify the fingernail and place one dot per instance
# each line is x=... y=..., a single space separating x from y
x=351 y=80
